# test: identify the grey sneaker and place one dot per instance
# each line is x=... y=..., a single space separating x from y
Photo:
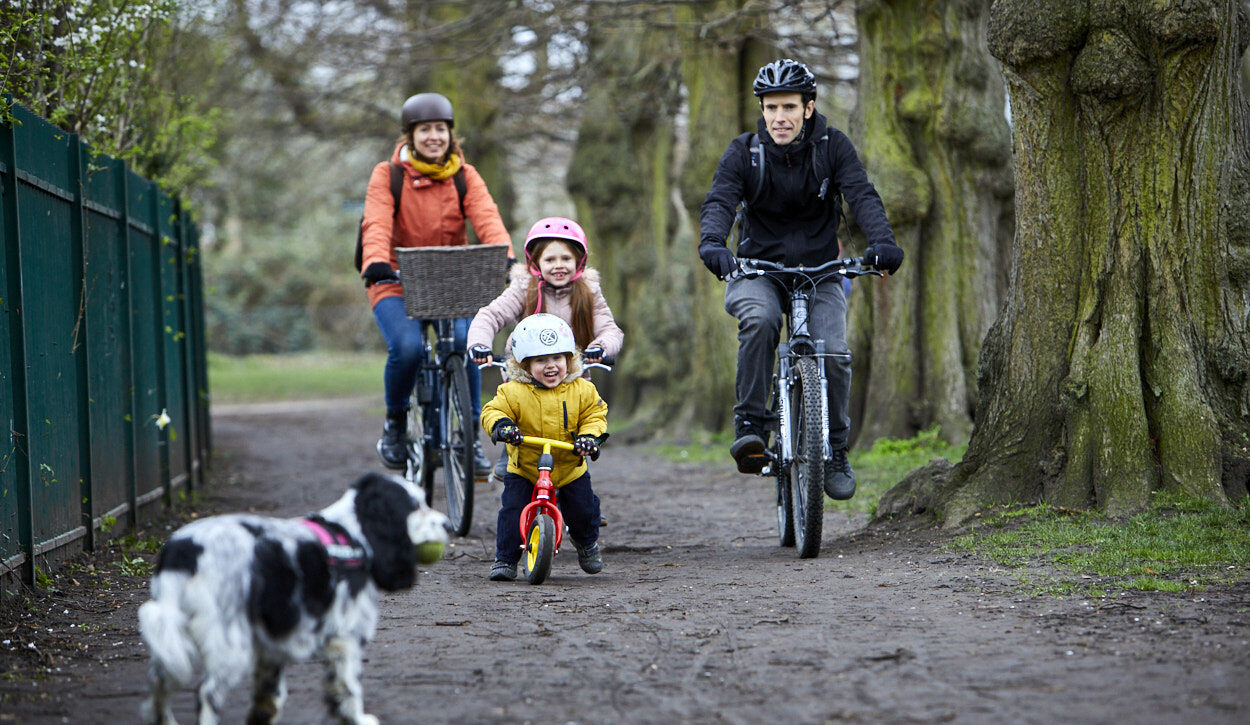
x=839 y=478
x=590 y=558
x=481 y=464
x=502 y=571
x=501 y=465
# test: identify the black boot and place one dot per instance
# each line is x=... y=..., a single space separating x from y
x=393 y=446
x=839 y=478
x=750 y=441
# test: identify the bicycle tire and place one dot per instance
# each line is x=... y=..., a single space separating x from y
x=807 y=474
x=540 y=549
x=458 y=437
x=420 y=468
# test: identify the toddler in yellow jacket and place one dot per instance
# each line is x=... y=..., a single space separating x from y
x=547 y=396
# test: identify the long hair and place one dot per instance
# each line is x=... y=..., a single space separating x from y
x=581 y=298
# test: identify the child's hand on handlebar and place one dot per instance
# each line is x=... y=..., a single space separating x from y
x=587 y=446
x=593 y=354
x=505 y=431
x=481 y=354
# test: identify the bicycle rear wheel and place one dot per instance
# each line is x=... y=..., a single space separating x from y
x=807 y=472
x=540 y=549
x=458 y=437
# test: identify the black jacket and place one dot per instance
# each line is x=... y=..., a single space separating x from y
x=789 y=223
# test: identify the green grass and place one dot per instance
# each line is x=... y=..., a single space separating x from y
x=888 y=461
x=1178 y=544
x=876 y=470
x=295 y=376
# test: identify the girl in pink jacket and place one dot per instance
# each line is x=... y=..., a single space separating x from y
x=555 y=280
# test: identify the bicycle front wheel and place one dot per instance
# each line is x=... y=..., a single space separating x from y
x=420 y=468
x=458 y=437
x=807 y=471
x=540 y=549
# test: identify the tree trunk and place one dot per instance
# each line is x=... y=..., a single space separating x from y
x=1121 y=362
x=930 y=128
x=652 y=132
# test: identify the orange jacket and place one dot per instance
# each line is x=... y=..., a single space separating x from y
x=429 y=216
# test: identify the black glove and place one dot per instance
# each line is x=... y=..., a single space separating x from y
x=480 y=353
x=884 y=256
x=717 y=258
x=377 y=272
x=505 y=431
x=593 y=354
x=587 y=446
x=507 y=271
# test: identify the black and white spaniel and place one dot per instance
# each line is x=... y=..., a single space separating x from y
x=240 y=593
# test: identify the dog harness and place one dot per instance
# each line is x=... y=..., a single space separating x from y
x=342 y=552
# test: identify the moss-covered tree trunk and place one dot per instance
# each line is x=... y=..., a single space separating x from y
x=930 y=129
x=652 y=131
x=1121 y=362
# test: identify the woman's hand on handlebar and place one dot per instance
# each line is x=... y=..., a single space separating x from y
x=378 y=272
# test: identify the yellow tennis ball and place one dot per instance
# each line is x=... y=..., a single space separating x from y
x=429 y=552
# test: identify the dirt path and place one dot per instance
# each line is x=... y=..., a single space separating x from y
x=698 y=616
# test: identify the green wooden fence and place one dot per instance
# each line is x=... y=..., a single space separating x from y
x=103 y=379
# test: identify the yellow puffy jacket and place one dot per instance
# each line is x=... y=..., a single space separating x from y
x=562 y=413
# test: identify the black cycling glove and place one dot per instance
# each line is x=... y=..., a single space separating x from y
x=884 y=256
x=717 y=258
x=377 y=272
x=480 y=354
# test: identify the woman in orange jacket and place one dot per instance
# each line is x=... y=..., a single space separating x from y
x=431 y=213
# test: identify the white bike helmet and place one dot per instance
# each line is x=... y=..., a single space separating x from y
x=542 y=334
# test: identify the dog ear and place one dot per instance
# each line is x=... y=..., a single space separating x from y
x=382 y=508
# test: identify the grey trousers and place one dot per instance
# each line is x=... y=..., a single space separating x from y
x=761 y=307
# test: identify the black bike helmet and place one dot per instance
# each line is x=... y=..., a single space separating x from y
x=427 y=107
x=785 y=75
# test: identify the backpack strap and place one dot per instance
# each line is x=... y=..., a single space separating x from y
x=462 y=187
x=756 y=155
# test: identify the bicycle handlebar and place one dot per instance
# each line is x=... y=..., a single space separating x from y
x=538 y=442
x=607 y=364
x=849 y=266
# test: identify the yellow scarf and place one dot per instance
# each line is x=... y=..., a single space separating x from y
x=438 y=172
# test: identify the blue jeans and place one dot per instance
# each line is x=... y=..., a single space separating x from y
x=578 y=504
x=405 y=356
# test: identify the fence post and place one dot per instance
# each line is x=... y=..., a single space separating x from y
x=15 y=503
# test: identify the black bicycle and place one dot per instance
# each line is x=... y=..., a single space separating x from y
x=442 y=284
x=800 y=453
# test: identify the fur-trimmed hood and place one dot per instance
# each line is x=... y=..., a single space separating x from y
x=517 y=372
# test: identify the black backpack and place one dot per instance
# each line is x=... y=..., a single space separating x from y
x=820 y=165
x=397 y=188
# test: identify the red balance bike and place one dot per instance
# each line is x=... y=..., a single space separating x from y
x=542 y=525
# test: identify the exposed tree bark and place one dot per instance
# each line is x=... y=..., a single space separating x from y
x=931 y=131
x=1121 y=362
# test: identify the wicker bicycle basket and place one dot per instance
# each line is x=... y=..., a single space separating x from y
x=448 y=282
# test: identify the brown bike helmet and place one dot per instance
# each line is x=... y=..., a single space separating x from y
x=427 y=107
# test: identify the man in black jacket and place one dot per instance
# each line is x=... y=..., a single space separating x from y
x=790 y=217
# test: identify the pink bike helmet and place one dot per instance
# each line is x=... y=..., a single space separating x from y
x=556 y=227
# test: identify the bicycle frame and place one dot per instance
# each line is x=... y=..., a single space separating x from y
x=545 y=498
x=799 y=283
